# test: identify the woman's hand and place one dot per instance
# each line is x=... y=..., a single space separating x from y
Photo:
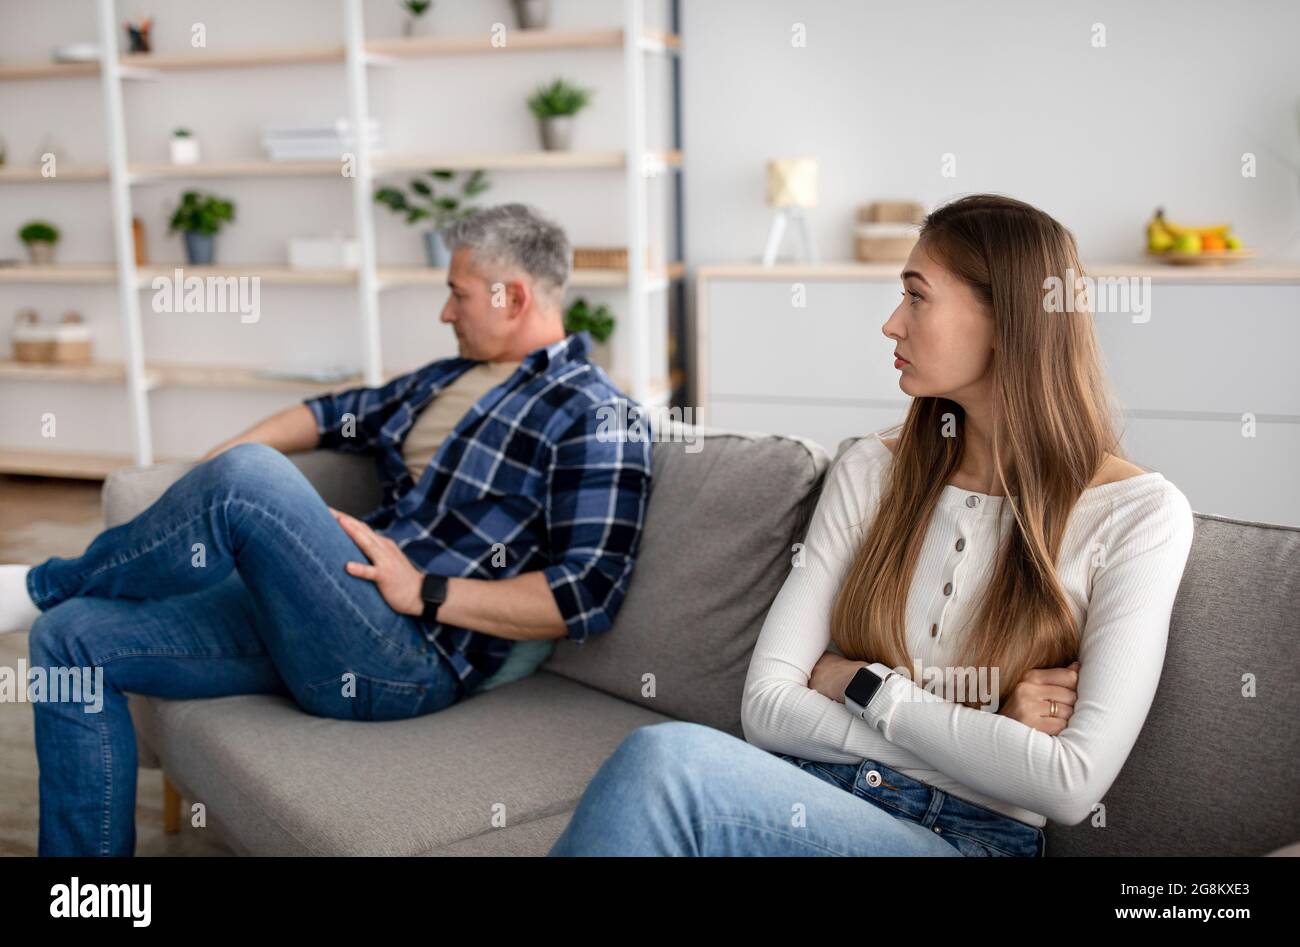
x=832 y=673
x=398 y=580
x=1031 y=700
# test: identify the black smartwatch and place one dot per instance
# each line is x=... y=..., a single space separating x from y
x=433 y=591
x=860 y=691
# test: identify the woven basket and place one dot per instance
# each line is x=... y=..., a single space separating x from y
x=67 y=343
x=603 y=258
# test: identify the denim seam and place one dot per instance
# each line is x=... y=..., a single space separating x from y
x=106 y=815
x=257 y=508
x=124 y=558
x=830 y=775
x=980 y=841
x=745 y=823
x=320 y=567
x=374 y=682
x=173 y=653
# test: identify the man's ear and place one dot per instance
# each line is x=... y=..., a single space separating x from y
x=518 y=297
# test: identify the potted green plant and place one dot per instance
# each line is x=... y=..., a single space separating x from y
x=415 y=10
x=598 y=322
x=532 y=14
x=39 y=236
x=441 y=210
x=200 y=218
x=555 y=105
x=184 y=147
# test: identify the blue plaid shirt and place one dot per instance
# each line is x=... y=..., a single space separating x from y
x=540 y=474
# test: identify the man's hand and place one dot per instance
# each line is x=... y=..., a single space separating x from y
x=832 y=673
x=398 y=580
x=1031 y=700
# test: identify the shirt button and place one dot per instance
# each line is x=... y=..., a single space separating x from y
x=972 y=501
x=947 y=588
x=961 y=544
x=934 y=630
x=873 y=778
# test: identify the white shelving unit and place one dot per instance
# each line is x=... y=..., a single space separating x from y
x=633 y=365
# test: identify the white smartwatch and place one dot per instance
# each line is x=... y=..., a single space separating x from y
x=862 y=690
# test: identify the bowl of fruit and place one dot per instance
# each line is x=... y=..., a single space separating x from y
x=1193 y=246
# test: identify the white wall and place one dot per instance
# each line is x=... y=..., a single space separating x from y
x=1098 y=137
x=1015 y=90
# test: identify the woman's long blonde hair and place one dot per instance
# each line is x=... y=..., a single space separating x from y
x=1052 y=427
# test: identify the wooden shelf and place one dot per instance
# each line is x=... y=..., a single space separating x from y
x=61 y=273
x=143 y=173
x=393 y=277
x=47 y=70
x=95 y=373
x=164 y=375
x=464 y=161
x=1280 y=272
x=399 y=48
x=503 y=161
x=280 y=275
x=270 y=274
x=10 y=174
x=516 y=41
x=57 y=463
x=196 y=60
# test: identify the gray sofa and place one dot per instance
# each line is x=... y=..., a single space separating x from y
x=1213 y=772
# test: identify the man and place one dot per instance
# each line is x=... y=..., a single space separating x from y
x=511 y=516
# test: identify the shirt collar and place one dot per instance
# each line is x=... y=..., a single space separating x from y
x=571 y=348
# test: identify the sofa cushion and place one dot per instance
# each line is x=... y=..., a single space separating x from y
x=281 y=782
x=1215 y=772
x=715 y=549
x=348 y=482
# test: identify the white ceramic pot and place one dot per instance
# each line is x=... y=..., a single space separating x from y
x=185 y=151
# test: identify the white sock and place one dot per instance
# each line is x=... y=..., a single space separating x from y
x=17 y=610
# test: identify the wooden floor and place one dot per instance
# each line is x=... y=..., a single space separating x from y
x=40 y=518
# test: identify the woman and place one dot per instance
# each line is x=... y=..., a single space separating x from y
x=998 y=540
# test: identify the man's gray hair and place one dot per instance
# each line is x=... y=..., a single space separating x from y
x=516 y=236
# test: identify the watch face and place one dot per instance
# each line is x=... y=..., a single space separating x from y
x=434 y=589
x=863 y=687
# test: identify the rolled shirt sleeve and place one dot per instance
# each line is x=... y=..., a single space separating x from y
x=350 y=420
x=598 y=486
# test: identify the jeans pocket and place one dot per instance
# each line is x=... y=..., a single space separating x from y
x=358 y=697
x=837 y=774
x=970 y=847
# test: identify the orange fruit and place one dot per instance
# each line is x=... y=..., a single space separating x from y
x=1211 y=242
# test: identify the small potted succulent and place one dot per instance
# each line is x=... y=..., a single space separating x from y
x=415 y=10
x=185 y=147
x=441 y=210
x=200 y=218
x=598 y=322
x=555 y=105
x=39 y=236
x=532 y=14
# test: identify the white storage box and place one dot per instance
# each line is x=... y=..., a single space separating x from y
x=306 y=253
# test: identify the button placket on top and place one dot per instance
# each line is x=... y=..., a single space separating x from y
x=967 y=518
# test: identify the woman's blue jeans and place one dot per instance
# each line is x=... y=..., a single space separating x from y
x=233 y=582
x=686 y=789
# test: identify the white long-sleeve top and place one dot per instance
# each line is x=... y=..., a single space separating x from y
x=1120 y=563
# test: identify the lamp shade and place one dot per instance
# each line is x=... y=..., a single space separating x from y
x=792 y=182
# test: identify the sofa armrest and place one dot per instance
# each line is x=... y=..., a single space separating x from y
x=348 y=482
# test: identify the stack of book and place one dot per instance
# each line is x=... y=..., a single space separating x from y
x=312 y=141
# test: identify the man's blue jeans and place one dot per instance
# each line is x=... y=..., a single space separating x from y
x=685 y=789
x=233 y=582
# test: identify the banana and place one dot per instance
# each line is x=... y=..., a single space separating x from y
x=1177 y=230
